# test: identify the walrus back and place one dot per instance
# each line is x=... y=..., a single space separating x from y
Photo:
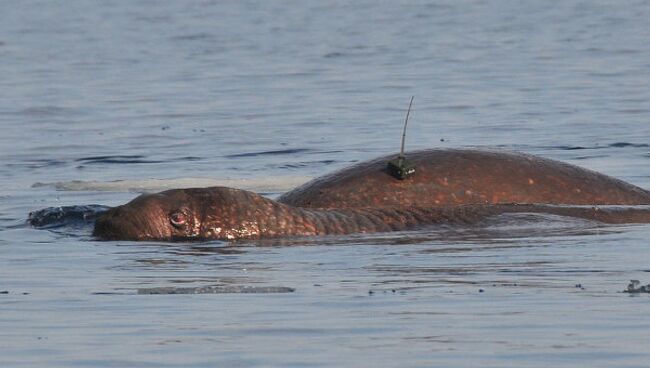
x=448 y=177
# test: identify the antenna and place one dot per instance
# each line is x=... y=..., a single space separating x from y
x=399 y=167
x=408 y=112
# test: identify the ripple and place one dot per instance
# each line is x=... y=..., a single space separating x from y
x=53 y=217
x=37 y=164
x=233 y=289
x=265 y=184
x=611 y=145
x=117 y=159
x=193 y=37
x=270 y=153
x=48 y=111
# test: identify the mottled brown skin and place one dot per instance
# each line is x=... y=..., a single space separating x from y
x=451 y=177
x=226 y=213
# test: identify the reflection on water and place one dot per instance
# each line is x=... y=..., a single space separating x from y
x=474 y=250
x=516 y=284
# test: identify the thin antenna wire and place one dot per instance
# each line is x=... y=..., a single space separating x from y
x=401 y=152
x=400 y=168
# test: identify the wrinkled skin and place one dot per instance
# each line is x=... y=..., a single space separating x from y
x=451 y=177
x=472 y=186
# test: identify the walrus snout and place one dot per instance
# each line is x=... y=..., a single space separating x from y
x=122 y=223
x=113 y=225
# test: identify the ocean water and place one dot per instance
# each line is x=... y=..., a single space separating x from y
x=100 y=101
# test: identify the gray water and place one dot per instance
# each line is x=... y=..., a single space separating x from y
x=102 y=100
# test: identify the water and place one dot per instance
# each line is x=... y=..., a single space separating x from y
x=100 y=100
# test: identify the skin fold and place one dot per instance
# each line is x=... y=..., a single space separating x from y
x=448 y=187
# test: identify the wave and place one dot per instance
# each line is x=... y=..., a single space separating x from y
x=65 y=216
x=260 y=185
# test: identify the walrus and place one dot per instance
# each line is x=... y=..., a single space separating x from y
x=449 y=186
x=228 y=214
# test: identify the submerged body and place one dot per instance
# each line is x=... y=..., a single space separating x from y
x=449 y=186
x=451 y=177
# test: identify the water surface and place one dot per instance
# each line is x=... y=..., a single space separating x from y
x=102 y=100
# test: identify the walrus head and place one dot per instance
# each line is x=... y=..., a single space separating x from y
x=196 y=214
x=170 y=215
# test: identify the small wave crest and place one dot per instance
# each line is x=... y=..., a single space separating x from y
x=260 y=185
x=611 y=145
x=232 y=289
x=269 y=153
x=53 y=217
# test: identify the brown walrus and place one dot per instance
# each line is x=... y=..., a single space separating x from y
x=449 y=186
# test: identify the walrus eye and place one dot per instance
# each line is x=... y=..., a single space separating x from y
x=178 y=218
